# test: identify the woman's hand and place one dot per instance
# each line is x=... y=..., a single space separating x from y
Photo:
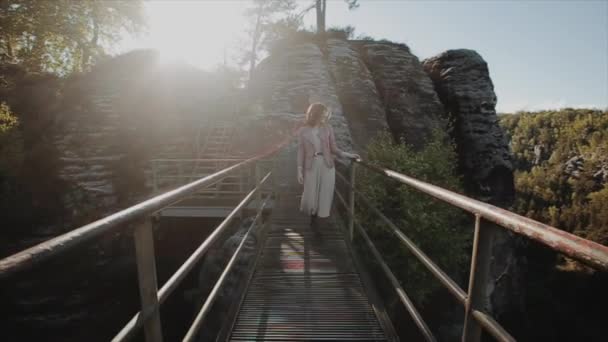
x=352 y=155
x=300 y=176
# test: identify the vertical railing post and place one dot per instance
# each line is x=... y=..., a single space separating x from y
x=154 y=176
x=351 y=201
x=478 y=278
x=258 y=178
x=180 y=173
x=148 y=286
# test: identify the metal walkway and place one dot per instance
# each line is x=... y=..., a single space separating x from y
x=305 y=287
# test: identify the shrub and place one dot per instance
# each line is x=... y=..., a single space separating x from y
x=434 y=226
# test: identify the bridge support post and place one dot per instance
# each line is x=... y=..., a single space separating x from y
x=148 y=285
x=479 y=277
x=351 y=201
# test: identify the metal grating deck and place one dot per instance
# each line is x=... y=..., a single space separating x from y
x=305 y=288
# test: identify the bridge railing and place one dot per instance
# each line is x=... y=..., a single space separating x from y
x=488 y=218
x=140 y=216
x=170 y=173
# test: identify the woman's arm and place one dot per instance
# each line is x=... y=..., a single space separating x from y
x=300 y=150
x=334 y=148
x=332 y=143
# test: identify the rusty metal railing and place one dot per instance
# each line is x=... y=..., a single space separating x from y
x=140 y=214
x=476 y=317
x=171 y=173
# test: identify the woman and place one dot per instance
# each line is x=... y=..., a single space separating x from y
x=316 y=147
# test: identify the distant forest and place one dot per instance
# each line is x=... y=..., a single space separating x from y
x=561 y=161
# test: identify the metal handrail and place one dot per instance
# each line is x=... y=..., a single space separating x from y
x=151 y=298
x=586 y=251
x=450 y=284
x=44 y=250
x=194 y=328
x=138 y=319
x=405 y=299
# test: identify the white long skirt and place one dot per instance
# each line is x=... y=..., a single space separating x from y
x=318 y=192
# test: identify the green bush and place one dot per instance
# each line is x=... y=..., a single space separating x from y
x=434 y=226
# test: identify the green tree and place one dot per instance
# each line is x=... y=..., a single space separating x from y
x=11 y=143
x=320 y=7
x=63 y=35
x=266 y=19
x=567 y=187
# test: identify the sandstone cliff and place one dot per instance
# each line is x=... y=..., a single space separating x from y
x=462 y=80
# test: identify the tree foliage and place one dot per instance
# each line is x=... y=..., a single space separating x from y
x=435 y=227
x=11 y=144
x=562 y=168
x=320 y=7
x=268 y=20
x=64 y=35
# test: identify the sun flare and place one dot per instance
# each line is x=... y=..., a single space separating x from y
x=202 y=33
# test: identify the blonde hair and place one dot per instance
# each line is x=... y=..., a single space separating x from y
x=315 y=112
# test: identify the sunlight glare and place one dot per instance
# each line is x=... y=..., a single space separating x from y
x=201 y=33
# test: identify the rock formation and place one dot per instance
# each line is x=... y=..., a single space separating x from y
x=287 y=83
x=462 y=80
x=357 y=92
x=412 y=107
x=574 y=166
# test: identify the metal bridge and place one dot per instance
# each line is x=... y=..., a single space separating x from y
x=303 y=287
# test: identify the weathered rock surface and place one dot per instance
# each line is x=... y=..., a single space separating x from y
x=601 y=175
x=284 y=85
x=574 y=166
x=412 y=107
x=125 y=112
x=463 y=82
x=354 y=83
x=287 y=83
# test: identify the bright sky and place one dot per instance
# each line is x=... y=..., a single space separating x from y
x=541 y=54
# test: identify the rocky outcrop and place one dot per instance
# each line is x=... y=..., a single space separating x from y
x=125 y=112
x=463 y=82
x=286 y=83
x=601 y=175
x=283 y=86
x=354 y=83
x=89 y=152
x=574 y=166
x=412 y=107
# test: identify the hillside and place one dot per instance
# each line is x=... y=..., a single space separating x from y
x=561 y=160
